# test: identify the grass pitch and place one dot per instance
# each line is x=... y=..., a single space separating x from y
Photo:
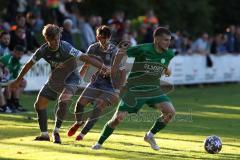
x=211 y=110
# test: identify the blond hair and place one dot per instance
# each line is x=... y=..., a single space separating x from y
x=51 y=30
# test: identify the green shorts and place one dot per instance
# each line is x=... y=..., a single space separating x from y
x=123 y=107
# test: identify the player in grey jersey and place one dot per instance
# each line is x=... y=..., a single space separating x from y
x=102 y=91
x=63 y=80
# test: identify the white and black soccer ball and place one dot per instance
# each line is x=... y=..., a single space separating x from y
x=213 y=144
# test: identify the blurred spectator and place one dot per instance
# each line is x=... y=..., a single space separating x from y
x=33 y=23
x=117 y=25
x=95 y=21
x=150 y=18
x=53 y=14
x=238 y=39
x=18 y=37
x=218 y=45
x=11 y=10
x=201 y=45
x=22 y=6
x=66 y=34
x=186 y=44
x=178 y=41
x=32 y=42
x=86 y=32
x=231 y=43
x=13 y=65
x=130 y=38
x=4 y=43
x=20 y=21
x=4 y=25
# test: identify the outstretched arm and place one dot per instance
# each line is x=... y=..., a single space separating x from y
x=93 y=61
x=84 y=69
x=22 y=73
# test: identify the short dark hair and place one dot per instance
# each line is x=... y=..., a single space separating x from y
x=19 y=48
x=51 y=31
x=3 y=33
x=160 y=31
x=31 y=15
x=104 y=31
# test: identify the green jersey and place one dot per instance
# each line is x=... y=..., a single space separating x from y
x=145 y=55
x=12 y=64
x=144 y=79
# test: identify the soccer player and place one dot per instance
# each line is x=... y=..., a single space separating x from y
x=64 y=79
x=103 y=90
x=156 y=52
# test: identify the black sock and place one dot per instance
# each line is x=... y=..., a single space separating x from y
x=9 y=102
x=42 y=119
x=15 y=102
x=91 y=121
x=79 y=109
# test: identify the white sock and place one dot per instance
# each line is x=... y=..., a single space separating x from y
x=98 y=144
x=56 y=130
x=82 y=135
x=44 y=133
x=150 y=134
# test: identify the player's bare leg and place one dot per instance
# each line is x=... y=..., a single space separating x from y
x=63 y=102
x=168 y=113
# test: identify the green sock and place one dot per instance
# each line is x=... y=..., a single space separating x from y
x=106 y=132
x=158 y=125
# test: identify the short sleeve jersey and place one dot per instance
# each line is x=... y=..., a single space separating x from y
x=146 y=53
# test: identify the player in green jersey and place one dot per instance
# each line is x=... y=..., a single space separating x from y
x=150 y=58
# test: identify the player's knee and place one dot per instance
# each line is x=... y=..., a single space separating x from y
x=168 y=116
x=65 y=97
x=23 y=83
x=100 y=104
x=116 y=121
x=37 y=105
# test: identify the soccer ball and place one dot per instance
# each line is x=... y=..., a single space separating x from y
x=213 y=144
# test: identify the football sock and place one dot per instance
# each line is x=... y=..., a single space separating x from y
x=106 y=132
x=42 y=119
x=92 y=120
x=15 y=102
x=157 y=126
x=45 y=134
x=79 y=108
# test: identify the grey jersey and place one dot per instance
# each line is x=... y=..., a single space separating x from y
x=63 y=62
x=55 y=58
x=107 y=57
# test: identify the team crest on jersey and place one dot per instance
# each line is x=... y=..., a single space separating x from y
x=163 y=60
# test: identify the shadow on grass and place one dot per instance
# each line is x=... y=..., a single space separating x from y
x=114 y=153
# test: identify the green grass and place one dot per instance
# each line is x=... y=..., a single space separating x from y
x=200 y=112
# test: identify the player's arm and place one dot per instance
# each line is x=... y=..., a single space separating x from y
x=87 y=59
x=167 y=72
x=36 y=56
x=93 y=61
x=22 y=73
x=84 y=69
x=121 y=81
x=117 y=60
